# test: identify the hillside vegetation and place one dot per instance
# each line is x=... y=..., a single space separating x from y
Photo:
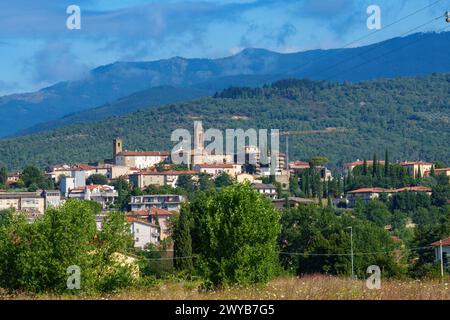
x=409 y=116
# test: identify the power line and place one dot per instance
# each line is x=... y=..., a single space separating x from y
x=355 y=253
x=367 y=35
x=380 y=56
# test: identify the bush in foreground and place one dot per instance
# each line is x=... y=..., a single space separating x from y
x=234 y=232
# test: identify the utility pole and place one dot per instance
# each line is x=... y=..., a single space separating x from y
x=351 y=251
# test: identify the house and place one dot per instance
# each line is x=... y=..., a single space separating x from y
x=348 y=167
x=440 y=171
x=33 y=204
x=417 y=166
x=140 y=159
x=416 y=189
x=445 y=243
x=52 y=198
x=67 y=183
x=170 y=202
x=157 y=216
x=268 y=190
x=245 y=177
x=217 y=169
x=137 y=159
x=296 y=166
x=155 y=178
x=56 y=173
x=143 y=232
x=325 y=173
x=13 y=178
x=105 y=195
x=366 y=194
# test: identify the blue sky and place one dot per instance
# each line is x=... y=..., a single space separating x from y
x=37 y=50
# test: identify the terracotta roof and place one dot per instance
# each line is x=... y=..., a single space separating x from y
x=299 y=163
x=145 y=153
x=360 y=163
x=445 y=242
x=410 y=163
x=135 y=220
x=138 y=213
x=150 y=212
x=370 y=190
x=160 y=212
x=417 y=188
x=442 y=169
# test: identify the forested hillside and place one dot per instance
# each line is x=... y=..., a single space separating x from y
x=409 y=116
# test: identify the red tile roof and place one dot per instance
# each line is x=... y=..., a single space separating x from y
x=299 y=163
x=445 y=242
x=417 y=188
x=150 y=212
x=160 y=212
x=360 y=163
x=370 y=190
x=135 y=220
x=415 y=163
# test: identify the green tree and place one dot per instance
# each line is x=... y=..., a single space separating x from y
x=97 y=179
x=35 y=257
x=235 y=233
x=3 y=175
x=386 y=164
x=182 y=241
x=32 y=175
x=223 y=180
x=316 y=240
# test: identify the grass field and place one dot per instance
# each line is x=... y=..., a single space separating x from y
x=285 y=288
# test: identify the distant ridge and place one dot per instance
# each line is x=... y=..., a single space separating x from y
x=418 y=54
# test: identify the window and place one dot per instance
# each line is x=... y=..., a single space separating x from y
x=137 y=230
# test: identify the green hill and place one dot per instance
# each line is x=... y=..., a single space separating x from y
x=409 y=116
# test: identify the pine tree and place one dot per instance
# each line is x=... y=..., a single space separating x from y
x=365 y=170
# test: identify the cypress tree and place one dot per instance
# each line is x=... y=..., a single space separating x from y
x=374 y=166
x=386 y=164
x=183 y=243
x=365 y=170
x=432 y=172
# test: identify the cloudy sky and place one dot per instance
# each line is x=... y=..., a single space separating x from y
x=37 y=49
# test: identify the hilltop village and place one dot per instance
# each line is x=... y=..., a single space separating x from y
x=156 y=188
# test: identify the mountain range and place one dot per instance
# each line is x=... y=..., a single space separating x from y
x=124 y=87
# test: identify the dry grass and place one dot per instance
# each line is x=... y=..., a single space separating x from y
x=287 y=288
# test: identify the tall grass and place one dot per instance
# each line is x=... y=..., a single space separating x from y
x=313 y=287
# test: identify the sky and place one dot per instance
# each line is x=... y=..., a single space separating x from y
x=37 y=49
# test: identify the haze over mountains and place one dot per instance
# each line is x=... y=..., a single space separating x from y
x=124 y=87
